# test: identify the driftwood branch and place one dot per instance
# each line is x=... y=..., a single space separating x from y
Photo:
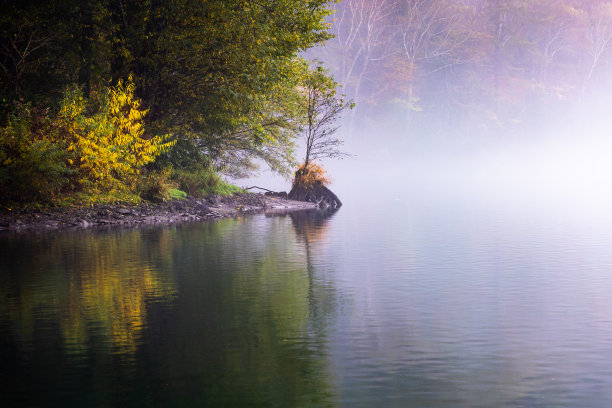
x=261 y=188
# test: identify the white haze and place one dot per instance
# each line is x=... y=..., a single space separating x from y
x=560 y=168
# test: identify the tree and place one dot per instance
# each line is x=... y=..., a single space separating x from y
x=220 y=73
x=217 y=73
x=323 y=108
x=598 y=37
x=361 y=30
x=429 y=39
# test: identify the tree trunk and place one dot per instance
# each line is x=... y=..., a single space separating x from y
x=87 y=34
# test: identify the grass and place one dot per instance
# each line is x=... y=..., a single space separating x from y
x=202 y=180
x=176 y=194
x=225 y=188
x=156 y=186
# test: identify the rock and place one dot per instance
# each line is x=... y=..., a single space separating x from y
x=319 y=194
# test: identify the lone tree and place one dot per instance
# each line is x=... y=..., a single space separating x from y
x=323 y=108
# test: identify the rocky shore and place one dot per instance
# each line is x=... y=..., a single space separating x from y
x=191 y=209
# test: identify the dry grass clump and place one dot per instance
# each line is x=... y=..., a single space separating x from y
x=311 y=176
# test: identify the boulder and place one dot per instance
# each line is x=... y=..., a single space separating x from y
x=319 y=194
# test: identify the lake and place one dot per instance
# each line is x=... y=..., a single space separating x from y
x=435 y=301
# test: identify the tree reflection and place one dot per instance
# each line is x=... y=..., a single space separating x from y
x=310 y=227
x=92 y=285
x=228 y=313
x=242 y=333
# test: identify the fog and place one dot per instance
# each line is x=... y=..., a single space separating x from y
x=560 y=167
x=506 y=106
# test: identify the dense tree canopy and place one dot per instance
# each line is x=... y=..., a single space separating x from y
x=221 y=77
x=210 y=69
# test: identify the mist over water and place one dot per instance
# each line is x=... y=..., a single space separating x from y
x=476 y=263
x=505 y=103
x=469 y=265
x=559 y=166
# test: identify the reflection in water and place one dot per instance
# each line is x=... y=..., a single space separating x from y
x=310 y=229
x=91 y=285
x=310 y=226
x=213 y=314
x=243 y=314
x=428 y=303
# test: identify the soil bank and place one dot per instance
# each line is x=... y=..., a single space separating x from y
x=191 y=209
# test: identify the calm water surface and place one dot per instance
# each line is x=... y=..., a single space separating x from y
x=436 y=303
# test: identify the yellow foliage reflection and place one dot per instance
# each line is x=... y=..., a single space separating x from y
x=98 y=285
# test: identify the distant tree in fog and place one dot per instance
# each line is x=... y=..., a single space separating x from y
x=497 y=60
x=598 y=36
x=362 y=29
x=429 y=38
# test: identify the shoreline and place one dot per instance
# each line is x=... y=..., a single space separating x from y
x=172 y=212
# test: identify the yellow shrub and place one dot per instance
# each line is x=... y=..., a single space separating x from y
x=107 y=146
x=91 y=150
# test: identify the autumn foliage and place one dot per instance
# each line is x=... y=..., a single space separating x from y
x=107 y=147
x=92 y=149
x=310 y=176
x=223 y=78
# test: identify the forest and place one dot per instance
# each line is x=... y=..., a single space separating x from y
x=106 y=100
x=484 y=62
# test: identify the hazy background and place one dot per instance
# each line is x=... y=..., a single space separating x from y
x=505 y=100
